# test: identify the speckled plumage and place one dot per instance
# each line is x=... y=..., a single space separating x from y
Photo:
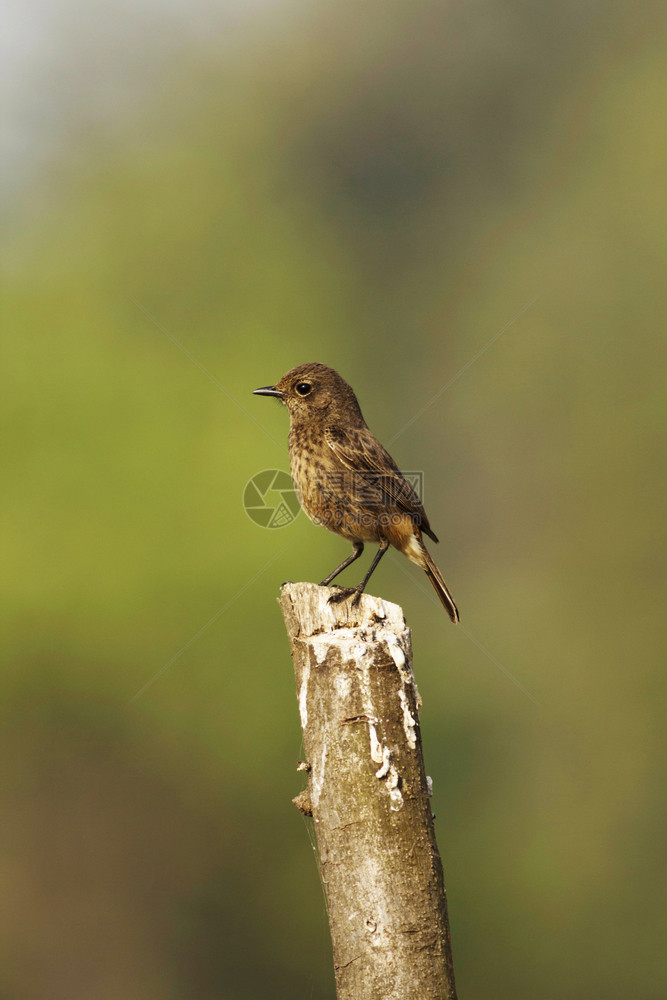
x=344 y=478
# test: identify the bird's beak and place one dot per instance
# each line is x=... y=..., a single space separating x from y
x=269 y=390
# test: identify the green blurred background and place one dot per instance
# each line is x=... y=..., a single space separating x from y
x=197 y=200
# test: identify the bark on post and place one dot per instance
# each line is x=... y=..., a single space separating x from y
x=368 y=795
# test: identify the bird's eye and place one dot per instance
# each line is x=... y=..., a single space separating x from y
x=303 y=388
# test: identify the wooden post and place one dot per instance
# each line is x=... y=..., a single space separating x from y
x=368 y=795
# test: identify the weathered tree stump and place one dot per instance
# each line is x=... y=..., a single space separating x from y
x=368 y=795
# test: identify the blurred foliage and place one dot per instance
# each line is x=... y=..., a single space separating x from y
x=467 y=196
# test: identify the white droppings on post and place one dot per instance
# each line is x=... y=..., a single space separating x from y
x=409 y=722
x=303 y=695
x=380 y=753
x=395 y=799
x=407 y=679
x=404 y=668
x=377 y=750
x=396 y=651
x=387 y=761
x=387 y=771
x=429 y=785
x=394 y=786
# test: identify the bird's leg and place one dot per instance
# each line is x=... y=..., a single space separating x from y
x=356 y=552
x=384 y=545
x=358 y=591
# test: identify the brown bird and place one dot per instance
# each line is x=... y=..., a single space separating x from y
x=346 y=481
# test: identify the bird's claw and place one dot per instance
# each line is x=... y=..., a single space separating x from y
x=342 y=593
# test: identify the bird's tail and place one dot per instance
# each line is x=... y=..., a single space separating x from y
x=440 y=587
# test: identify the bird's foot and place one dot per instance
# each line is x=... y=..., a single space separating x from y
x=341 y=594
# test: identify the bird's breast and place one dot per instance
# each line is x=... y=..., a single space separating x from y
x=325 y=489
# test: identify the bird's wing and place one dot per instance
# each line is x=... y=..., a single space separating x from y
x=360 y=452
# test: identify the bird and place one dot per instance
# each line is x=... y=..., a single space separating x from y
x=346 y=481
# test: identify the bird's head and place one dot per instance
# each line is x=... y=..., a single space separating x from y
x=314 y=392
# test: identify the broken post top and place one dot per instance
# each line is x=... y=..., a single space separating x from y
x=308 y=612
